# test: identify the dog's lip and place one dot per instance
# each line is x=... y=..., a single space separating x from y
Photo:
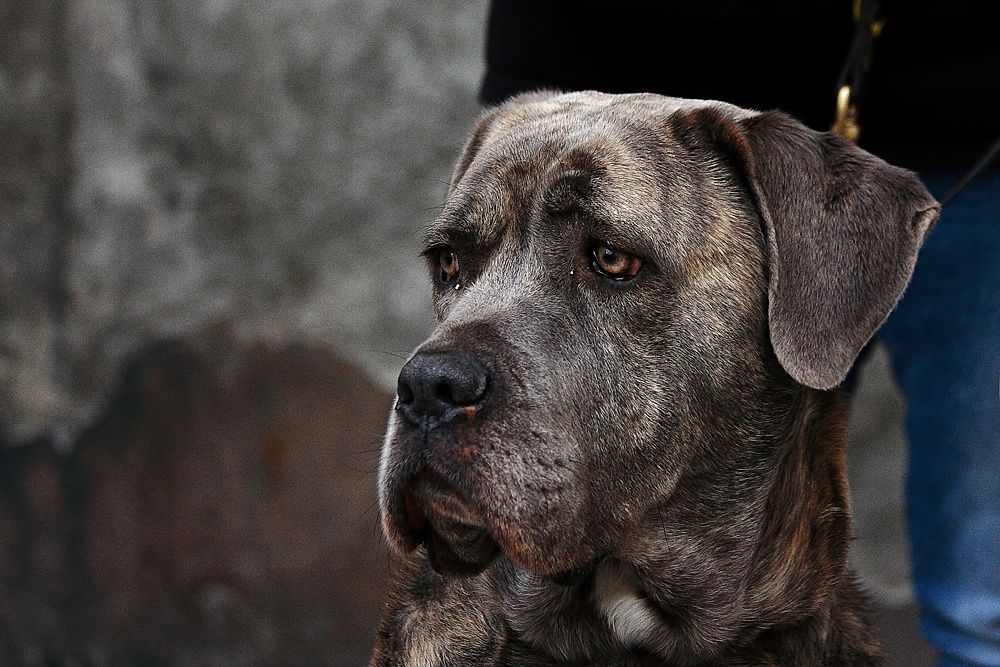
x=415 y=520
x=461 y=540
x=435 y=513
x=445 y=558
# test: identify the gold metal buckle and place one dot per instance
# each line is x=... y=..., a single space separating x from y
x=845 y=123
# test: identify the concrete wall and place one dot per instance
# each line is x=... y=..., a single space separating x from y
x=171 y=166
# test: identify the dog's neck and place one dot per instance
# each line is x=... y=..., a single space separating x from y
x=719 y=580
x=807 y=524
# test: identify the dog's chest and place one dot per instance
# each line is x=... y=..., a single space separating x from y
x=623 y=605
x=607 y=619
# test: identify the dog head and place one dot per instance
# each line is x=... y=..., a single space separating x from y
x=629 y=290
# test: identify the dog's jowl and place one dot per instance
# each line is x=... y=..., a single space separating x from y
x=622 y=444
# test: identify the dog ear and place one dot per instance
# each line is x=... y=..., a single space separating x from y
x=842 y=228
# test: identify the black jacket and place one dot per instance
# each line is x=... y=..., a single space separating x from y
x=928 y=101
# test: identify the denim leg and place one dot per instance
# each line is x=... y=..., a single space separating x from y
x=945 y=341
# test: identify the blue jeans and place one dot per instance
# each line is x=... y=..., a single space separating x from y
x=945 y=342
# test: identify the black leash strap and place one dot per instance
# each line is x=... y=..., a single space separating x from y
x=978 y=168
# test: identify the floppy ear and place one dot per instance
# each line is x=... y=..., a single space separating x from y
x=842 y=227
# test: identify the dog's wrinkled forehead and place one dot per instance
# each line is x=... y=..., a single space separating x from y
x=610 y=156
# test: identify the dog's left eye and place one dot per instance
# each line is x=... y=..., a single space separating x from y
x=447 y=264
x=614 y=263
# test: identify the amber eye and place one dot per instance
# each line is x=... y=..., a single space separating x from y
x=448 y=263
x=615 y=263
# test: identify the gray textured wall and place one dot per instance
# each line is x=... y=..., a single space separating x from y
x=173 y=165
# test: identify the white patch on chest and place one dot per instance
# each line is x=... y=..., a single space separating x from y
x=623 y=604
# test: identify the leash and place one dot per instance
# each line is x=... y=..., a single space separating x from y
x=869 y=24
x=978 y=168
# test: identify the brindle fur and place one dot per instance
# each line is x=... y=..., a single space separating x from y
x=655 y=474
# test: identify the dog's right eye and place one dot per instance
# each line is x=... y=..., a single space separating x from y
x=614 y=263
x=447 y=264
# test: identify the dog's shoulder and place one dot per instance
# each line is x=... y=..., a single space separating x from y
x=838 y=635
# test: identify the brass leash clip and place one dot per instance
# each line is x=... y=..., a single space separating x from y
x=845 y=123
x=868 y=27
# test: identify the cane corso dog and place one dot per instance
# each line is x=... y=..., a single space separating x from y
x=622 y=445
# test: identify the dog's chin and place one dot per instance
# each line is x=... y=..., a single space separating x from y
x=465 y=556
x=457 y=540
x=432 y=512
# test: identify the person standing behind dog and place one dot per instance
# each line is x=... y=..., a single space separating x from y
x=923 y=107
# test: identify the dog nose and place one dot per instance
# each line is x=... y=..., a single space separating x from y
x=440 y=386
